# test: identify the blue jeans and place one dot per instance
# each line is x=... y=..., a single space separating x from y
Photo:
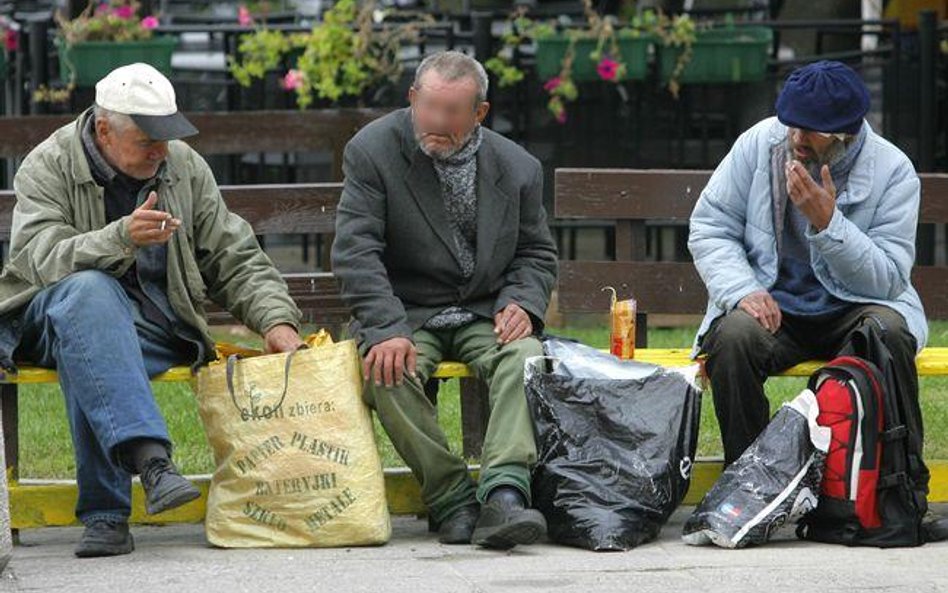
x=87 y=328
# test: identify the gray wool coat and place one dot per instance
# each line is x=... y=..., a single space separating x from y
x=394 y=253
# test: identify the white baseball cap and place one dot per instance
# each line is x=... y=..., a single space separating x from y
x=144 y=94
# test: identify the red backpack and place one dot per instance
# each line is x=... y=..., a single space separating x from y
x=867 y=496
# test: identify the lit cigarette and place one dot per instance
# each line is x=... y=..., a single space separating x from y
x=163 y=223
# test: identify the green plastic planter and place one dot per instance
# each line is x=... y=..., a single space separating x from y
x=92 y=60
x=736 y=54
x=550 y=52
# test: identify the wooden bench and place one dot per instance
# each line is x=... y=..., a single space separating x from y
x=637 y=200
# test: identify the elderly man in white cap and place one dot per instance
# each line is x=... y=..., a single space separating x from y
x=119 y=236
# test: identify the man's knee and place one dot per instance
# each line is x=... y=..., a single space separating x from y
x=735 y=332
x=895 y=330
x=90 y=286
x=524 y=348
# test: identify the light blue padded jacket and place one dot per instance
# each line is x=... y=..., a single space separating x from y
x=865 y=255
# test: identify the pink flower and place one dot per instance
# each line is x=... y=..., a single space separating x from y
x=123 y=12
x=293 y=80
x=150 y=22
x=607 y=68
x=560 y=116
x=102 y=8
x=243 y=16
x=11 y=41
x=552 y=84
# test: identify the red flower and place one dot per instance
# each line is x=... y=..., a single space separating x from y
x=11 y=41
x=552 y=84
x=243 y=17
x=293 y=80
x=123 y=12
x=607 y=68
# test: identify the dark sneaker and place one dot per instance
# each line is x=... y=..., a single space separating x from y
x=105 y=538
x=505 y=522
x=457 y=528
x=164 y=487
x=935 y=527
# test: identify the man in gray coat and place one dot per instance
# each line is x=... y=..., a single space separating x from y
x=443 y=252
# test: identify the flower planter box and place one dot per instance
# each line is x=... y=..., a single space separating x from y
x=90 y=61
x=550 y=51
x=722 y=55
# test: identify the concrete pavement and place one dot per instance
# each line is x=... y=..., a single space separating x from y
x=177 y=558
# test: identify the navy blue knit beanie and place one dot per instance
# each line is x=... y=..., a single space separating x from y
x=824 y=96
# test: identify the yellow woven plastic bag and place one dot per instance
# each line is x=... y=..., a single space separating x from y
x=297 y=463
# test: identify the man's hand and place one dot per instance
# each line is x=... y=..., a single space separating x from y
x=512 y=323
x=388 y=361
x=762 y=307
x=282 y=338
x=147 y=226
x=815 y=202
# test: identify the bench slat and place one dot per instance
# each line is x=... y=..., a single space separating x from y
x=659 y=287
x=271 y=209
x=627 y=194
x=930 y=362
x=670 y=194
x=676 y=288
x=232 y=132
x=30 y=375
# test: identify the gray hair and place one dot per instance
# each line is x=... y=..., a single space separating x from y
x=453 y=65
x=118 y=121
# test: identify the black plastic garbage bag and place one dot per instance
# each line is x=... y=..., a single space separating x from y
x=615 y=439
x=775 y=482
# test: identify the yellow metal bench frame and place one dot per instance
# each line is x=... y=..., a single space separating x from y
x=40 y=503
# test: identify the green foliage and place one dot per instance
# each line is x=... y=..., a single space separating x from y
x=345 y=55
x=262 y=51
x=521 y=30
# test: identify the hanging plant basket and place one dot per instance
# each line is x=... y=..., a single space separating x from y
x=737 y=54
x=550 y=51
x=87 y=62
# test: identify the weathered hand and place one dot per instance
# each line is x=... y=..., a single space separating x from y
x=815 y=202
x=388 y=361
x=282 y=338
x=147 y=226
x=762 y=307
x=512 y=323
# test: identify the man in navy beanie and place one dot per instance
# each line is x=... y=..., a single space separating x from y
x=805 y=232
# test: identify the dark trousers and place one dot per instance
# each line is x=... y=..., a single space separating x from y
x=741 y=354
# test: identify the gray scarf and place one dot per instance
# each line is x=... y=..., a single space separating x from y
x=458 y=177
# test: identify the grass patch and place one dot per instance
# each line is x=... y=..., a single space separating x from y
x=46 y=447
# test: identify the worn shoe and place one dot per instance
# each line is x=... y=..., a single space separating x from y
x=935 y=527
x=165 y=488
x=105 y=538
x=457 y=528
x=505 y=522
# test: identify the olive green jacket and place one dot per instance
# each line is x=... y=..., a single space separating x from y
x=59 y=227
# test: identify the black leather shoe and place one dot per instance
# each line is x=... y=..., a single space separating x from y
x=505 y=522
x=457 y=528
x=164 y=487
x=105 y=538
